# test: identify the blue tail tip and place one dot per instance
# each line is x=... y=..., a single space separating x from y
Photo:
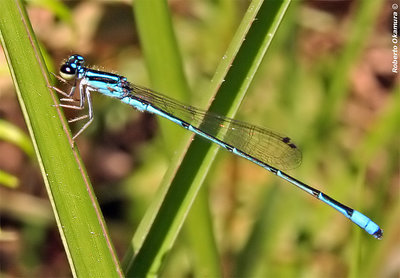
x=378 y=234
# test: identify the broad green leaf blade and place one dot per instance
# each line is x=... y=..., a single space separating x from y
x=83 y=232
x=231 y=80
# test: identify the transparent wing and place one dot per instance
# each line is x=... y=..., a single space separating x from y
x=265 y=145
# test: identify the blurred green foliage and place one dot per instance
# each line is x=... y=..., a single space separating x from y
x=326 y=87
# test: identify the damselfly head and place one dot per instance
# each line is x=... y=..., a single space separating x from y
x=72 y=67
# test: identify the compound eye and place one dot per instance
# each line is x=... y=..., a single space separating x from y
x=68 y=72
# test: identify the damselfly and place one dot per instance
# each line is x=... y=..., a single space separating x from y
x=265 y=148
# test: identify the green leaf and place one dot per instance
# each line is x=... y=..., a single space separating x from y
x=8 y=180
x=162 y=58
x=162 y=223
x=81 y=225
x=13 y=134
